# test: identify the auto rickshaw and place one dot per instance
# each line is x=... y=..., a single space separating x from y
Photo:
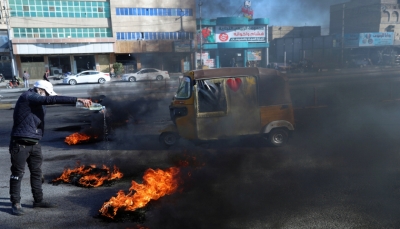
x=214 y=104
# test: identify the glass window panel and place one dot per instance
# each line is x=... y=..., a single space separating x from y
x=164 y=12
x=126 y=11
x=122 y=36
x=57 y=3
x=88 y=4
x=77 y=15
x=128 y=36
x=174 y=12
x=70 y=9
x=169 y=13
x=23 y=35
x=85 y=35
x=19 y=8
x=89 y=15
x=51 y=3
x=45 y=3
x=26 y=14
x=32 y=2
x=130 y=11
x=83 y=9
x=96 y=4
x=117 y=11
x=95 y=15
x=46 y=14
x=52 y=14
x=42 y=35
x=79 y=35
x=64 y=3
x=118 y=36
x=134 y=11
x=58 y=8
x=16 y=30
x=39 y=8
x=151 y=12
x=33 y=14
x=48 y=30
x=71 y=15
x=45 y=8
x=61 y=35
x=35 y=30
x=60 y=30
x=54 y=30
x=29 y=35
x=32 y=8
x=58 y=14
x=76 y=3
x=65 y=14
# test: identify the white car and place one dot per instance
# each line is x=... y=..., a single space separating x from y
x=87 y=77
x=146 y=74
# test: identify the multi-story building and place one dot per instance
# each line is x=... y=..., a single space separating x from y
x=152 y=33
x=71 y=35
x=362 y=16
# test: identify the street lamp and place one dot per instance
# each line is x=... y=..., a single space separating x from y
x=201 y=38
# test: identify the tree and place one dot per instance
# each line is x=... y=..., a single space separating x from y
x=118 y=68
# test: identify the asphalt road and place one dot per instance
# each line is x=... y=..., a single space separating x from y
x=340 y=169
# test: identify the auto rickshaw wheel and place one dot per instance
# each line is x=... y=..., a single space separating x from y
x=169 y=138
x=278 y=137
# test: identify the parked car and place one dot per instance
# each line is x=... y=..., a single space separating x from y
x=146 y=74
x=87 y=77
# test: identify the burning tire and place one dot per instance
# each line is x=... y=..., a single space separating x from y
x=278 y=137
x=169 y=138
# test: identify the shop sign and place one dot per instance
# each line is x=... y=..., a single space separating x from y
x=376 y=39
x=183 y=46
x=210 y=63
x=240 y=34
x=254 y=54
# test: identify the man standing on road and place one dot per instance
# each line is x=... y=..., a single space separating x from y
x=26 y=79
x=46 y=75
x=28 y=129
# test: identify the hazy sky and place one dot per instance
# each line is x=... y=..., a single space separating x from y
x=280 y=12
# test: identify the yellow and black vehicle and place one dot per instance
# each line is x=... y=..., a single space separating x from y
x=220 y=103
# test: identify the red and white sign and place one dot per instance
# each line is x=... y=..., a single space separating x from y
x=240 y=34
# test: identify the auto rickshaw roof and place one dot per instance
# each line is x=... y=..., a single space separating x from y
x=234 y=71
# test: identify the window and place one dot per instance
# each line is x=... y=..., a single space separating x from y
x=51 y=8
x=26 y=8
x=211 y=96
x=100 y=9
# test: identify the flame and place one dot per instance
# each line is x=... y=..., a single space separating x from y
x=76 y=138
x=90 y=177
x=156 y=184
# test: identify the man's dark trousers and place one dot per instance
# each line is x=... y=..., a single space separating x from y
x=32 y=155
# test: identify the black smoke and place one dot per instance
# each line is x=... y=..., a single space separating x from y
x=280 y=12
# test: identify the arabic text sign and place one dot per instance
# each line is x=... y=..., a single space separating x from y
x=240 y=34
x=376 y=39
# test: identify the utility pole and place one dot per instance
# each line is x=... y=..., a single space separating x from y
x=5 y=9
x=201 y=38
x=343 y=13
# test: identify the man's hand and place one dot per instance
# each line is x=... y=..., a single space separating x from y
x=86 y=102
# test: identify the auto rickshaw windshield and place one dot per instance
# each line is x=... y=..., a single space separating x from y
x=184 y=90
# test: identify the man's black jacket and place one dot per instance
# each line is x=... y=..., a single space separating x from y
x=29 y=113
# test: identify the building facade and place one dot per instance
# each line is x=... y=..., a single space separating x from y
x=232 y=42
x=71 y=36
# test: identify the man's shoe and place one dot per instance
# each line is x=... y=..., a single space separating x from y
x=17 y=209
x=43 y=204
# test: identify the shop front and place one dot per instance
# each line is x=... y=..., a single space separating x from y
x=232 y=42
x=60 y=58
